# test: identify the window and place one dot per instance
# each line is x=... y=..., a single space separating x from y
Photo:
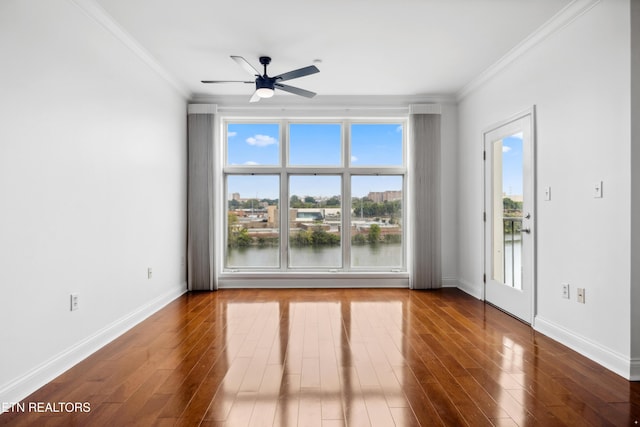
x=253 y=144
x=375 y=144
x=253 y=236
x=343 y=186
x=315 y=144
x=376 y=221
x=315 y=221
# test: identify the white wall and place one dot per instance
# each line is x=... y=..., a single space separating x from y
x=92 y=190
x=635 y=188
x=578 y=79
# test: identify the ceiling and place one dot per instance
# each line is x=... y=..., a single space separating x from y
x=366 y=47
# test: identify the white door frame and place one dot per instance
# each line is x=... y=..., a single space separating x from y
x=529 y=268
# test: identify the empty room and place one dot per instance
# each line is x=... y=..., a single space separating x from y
x=362 y=213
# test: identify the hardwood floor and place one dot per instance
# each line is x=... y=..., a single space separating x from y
x=334 y=358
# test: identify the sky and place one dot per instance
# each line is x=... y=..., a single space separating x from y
x=320 y=145
x=316 y=144
x=512 y=165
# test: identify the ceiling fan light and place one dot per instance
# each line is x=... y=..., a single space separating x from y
x=264 y=92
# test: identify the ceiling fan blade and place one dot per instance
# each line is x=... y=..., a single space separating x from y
x=255 y=97
x=225 y=81
x=295 y=90
x=245 y=64
x=300 y=72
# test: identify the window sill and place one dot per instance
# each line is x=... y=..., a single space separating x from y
x=245 y=279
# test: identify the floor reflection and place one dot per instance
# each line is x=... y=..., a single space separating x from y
x=302 y=362
x=512 y=394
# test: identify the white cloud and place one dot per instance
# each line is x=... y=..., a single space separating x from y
x=231 y=134
x=251 y=163
x=354 y=159
x=399 y=128
x=261 y=140
x=505 y=149
x=518 y=135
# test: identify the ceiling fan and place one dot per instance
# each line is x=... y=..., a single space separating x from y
x=265 y=85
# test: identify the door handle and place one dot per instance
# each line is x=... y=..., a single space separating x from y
x=525 y=230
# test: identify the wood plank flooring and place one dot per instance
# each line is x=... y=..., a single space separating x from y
x=335 y=358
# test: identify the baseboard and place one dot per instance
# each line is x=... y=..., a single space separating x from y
x=25 y=385
x=450 y=282
x=635 y=369
x=621 y=365
x=470 y=289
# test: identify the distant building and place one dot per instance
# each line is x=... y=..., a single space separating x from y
x=302 y=215
x=382 y=196
x=235 y=196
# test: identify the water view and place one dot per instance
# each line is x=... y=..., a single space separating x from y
x=383 y=255
x=513 y=261
x=316 y=223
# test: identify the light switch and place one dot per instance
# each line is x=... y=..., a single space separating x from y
x=597 y=190
x=547 y=193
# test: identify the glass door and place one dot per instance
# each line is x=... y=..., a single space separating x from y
x=509 y=217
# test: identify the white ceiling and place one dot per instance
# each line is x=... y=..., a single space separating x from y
x=383 y=47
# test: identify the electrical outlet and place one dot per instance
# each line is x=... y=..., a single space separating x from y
x=149 y=273
x=565 y=290
x=581 y=295
x=75 y=302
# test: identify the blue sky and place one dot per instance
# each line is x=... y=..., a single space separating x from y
x=512 y=165
x=376 y=144
x=313 y=144
x=255 y=144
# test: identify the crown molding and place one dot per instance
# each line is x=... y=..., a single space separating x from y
x=425 y=109
x=202 y=109
x=566 y=16
x=92 y=9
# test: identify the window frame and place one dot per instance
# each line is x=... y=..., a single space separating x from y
x=346 y=170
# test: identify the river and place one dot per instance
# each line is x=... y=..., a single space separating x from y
x=381 y=255
x=513 y=262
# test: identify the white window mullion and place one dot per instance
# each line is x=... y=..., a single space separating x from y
x=346 y=198
x=405 y=220
x=284 y=197
x=346 y=221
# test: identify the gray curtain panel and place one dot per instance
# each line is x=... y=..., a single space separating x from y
x=425 y=172
x=200 y=194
